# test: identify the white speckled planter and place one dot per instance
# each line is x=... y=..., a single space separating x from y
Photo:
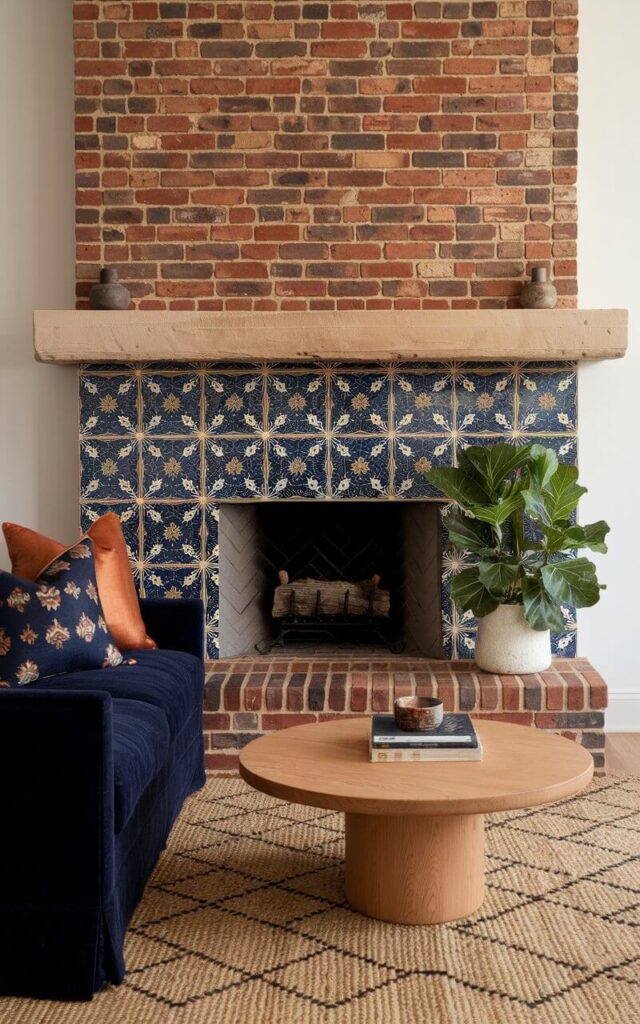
x=507 y=643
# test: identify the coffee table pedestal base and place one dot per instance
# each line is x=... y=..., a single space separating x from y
x=415 y=869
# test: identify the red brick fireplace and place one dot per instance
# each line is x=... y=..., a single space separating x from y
x=384 y=155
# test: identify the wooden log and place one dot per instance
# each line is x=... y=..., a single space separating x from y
x=311 y=597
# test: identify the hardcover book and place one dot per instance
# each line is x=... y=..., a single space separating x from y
x=454 y=740
x=390 y=754
x=455 y=730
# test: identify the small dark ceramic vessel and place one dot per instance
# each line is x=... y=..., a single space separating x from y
x=417 y=714
x=109 y=293
x=539 y=293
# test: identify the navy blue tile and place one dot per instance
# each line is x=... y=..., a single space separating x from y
x=129 y=516
x=458 y=632
x=547 y=402
x=360 y=403
x=423 y=403
x=566 y=448
x=414 y=457
x=212 y=613
x=211 y=525
x=234 y=468
x=297 y=467
x=486 y=402
x=171 y=403
x=212 y=587
x=108 y=469
x=360 y=467
x=171 y=468
x=172 y=532
x=234 y=403
x=108 y=404
x=297 y=403
x=173 y=582
x=564 y=645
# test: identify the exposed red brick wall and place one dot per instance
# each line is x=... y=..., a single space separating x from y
x=326 y=155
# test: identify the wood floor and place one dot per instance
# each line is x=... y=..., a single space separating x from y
x=623 y=752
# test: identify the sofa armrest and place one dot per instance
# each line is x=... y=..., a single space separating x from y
x=175 y=625
x=56 y=797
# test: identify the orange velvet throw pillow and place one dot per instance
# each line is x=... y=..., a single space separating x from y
x=31 y=552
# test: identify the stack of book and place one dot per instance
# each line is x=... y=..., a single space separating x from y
x=455 y=739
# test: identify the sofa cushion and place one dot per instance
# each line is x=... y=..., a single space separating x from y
x=170 y=680
x=140 y=749
x=30 y=552
x=54 y=625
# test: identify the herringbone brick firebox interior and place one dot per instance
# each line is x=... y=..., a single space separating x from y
x=317 y=612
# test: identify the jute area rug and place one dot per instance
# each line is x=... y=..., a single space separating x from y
x=244 y=921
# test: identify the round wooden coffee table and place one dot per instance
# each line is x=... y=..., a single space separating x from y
x=414 y=832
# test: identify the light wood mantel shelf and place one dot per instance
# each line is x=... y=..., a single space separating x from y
x=79 y=336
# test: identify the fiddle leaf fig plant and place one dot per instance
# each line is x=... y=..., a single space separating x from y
x=513 y=513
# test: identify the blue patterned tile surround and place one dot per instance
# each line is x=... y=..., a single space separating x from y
x=164 y=445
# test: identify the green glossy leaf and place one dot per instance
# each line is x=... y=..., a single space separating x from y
x=540 y=610
x=543 y=463
x=499 y=511
x=535 y=504
x=593 y=536
x=495 y=462
x=465 y=532
x=470 y=594
x=571 y=538
x=457 y=484
x=563 y=493
x=497 y=576
x=572 y=582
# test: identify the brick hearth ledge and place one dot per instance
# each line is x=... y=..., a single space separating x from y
x=247 y=697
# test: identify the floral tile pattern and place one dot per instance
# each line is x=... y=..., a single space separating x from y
x=172 y=582
x=109 y=469
x=172 y=532
x=234 y=403
x=129 y=516
x=297 y=403
x=360 y=467
x=234 y=468
x=360 y=403
x=423 y=403
x=486 y=402
x=171 y=468
x=108 y=404
x=414 y=457
x=297 y=467
x=163 y=444
x=171 y=403
x=547 y=402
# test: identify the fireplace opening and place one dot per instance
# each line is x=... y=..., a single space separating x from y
x=329 y=576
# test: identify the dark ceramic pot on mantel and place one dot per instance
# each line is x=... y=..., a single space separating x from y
x=109 y=293
x=539 y=293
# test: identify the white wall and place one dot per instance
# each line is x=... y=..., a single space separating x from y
x=38 y=404
x=609 y=393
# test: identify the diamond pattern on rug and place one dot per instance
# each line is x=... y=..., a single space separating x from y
x=245 y=920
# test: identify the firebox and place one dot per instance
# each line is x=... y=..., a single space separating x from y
x=332 y=573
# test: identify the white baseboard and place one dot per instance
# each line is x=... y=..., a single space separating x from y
x=623 y=713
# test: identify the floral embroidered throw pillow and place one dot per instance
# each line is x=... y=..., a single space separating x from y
x=56 y=624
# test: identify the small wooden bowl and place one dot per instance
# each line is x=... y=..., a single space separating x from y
x=418 y=714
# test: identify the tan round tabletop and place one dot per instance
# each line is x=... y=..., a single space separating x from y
x=415 y=831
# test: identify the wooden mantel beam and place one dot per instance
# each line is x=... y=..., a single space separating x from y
x=80 y=336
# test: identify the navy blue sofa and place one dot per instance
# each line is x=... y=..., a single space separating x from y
x=94 y=768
